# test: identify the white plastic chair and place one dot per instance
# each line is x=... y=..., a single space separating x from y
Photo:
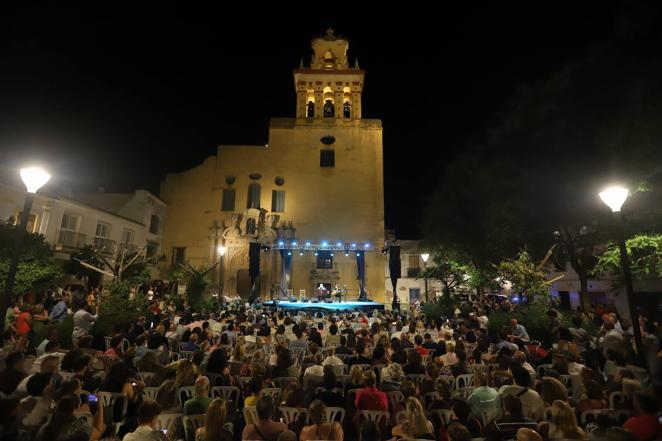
x=228 y=393
x=146 y=377
x=108 y=400
x=273 y=392
x=465 y=381
x=166 y=420
x=416 y=378
x=291 y=414
x=444 y=415
x=616 y=398
x=191 y=424
x=395 y=397
x=250 y=414
x=150 y=392
x=336 y=414
x=380 y=417
x=184 y=394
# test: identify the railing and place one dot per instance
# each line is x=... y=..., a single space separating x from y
x=128 y=247
x=413 y=272
x=70 y=239
x=104 y=245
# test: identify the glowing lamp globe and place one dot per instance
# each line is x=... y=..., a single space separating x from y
x=34 y=178
x=614 y=197
x=425 y=257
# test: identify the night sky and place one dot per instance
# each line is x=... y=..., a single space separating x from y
x=117 y=98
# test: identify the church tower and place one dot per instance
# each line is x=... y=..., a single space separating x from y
x=329 y=89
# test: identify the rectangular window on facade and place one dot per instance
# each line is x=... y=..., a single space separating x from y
x=32 y=222
x=228 y=199
x=69 y=222
x=413 y=269
x=327 y=158
x=278 y=201
x=154 y=224
x=324 y=260
x=151 y=249
x=127 y=236
x=103 y=230
x=178 y=255
x=253 y=196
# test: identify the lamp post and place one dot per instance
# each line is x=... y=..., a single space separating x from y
x=614 y=197
x=221 y=251
x=33 y=178
x=425 y=257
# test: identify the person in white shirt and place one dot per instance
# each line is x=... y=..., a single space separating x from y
x=146 y=431
x=332 y=360
x=520 y=357
x=532 y=403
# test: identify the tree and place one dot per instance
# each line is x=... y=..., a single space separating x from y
x=196 y=280
x=645 y=257
x=447 y=269
x=525 y=276
x=36 y=269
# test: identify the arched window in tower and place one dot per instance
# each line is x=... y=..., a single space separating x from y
x=310 y=109
x=329 y=109
x=253 y=195
x=329 y=60
x=346 y=110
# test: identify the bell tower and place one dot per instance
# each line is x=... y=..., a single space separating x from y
x=329 y=89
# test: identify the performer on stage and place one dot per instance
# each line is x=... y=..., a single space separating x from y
x=321 y=292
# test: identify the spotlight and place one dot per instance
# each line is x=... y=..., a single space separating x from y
x=281 y=243
x=316 y=253
x=307 y=244
x=332 y=254
x=353 y=245
x=346 y=254
x=367 y=245
x=294 y=243
x=325 y=243
x=338 y=244
x=289 y=253
x=300 y=253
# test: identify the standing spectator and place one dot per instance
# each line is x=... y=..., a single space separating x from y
x=83 y=321
x=59 y=311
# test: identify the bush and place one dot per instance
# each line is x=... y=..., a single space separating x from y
x=63 y=328
x=441 y=309
x=115 y=308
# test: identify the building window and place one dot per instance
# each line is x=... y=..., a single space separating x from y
x=413 y=269
x=346 y=110
x=151 y=249
x=310 y=109
x=278 y=201
x=253 y=195
x=154 y=224
x=127 y=236
x=327 y=158
x=329 y=109
x=32 y=222
x=324 y=260
x=103 y=230
x=228 y=199
x=178 y=255
x=69 y=222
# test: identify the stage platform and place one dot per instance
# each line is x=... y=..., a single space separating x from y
x=323 y=306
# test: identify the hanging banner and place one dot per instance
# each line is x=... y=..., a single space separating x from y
x=285 y=273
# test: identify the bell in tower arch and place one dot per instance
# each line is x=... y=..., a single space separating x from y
x=329 y=109
x=310 y=109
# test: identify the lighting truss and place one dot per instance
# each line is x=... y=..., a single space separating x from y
x=303 y=246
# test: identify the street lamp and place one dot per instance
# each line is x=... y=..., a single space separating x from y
x=221 y=251
x=33 y=178
x=425 y=257
x=614 y=197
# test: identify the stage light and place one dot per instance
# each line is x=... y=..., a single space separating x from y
x=294 y=243
x=353 y=245
x=316 y=253
x=300 y=253
x=307 y=244
x=346 y=254
x=281 y=243
x=289 y=253
x=338 y=244
x=367 y=245
x=325 y=243
x=331 y=254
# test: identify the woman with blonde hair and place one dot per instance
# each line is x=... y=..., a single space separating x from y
x=320 y=429
x=552 y=390
x=215 y=419
x=238 y=353
x=415 y=425
x=356 y=377
x=563 y=422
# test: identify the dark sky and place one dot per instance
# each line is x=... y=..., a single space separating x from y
x=119 y=97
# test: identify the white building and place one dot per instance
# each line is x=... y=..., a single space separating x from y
x=410 y=286
x=110 y=222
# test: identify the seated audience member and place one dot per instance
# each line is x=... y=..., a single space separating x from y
x=146 y=431
x=526 y=434
x=414 y=364
x=449 y=358
x=513 y=419
x=531 y=401
x=265 y=428
x=462 y=411
x=13 y=374
x=215 y=419
x=199 y=404
x=329 y=396
x=369 y=431
x=370 y=398
x=483 y=400
x=563 y=423
x=415 y=425
x=321 y=428
x=457 y=432
x=646 y=424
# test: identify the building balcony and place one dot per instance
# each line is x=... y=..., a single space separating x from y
x=105 y=246
x=70 y=239
x=127 y=247
x=413 y=272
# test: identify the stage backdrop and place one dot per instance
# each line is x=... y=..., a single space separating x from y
x=286 y=272
x=394 y=268
x=360 y=266
x=254 y=267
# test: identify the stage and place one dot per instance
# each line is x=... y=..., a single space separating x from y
x=350 y=306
